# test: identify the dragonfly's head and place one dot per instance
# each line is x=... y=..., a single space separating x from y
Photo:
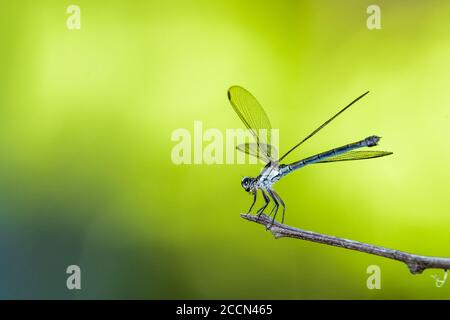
x=247 y=183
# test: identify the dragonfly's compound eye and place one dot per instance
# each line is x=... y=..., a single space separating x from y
x=246 y=183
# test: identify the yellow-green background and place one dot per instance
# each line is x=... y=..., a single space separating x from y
x=86 y=118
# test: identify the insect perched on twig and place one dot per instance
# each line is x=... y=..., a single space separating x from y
x=255 y=119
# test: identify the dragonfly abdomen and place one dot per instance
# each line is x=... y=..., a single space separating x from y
x=367 y=142
x=372 y=141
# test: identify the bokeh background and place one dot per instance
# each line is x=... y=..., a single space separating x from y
x=86 y=119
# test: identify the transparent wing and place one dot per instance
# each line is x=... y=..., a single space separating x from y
x=357 y=155
x=252 y=115
x=323 y=125
x=260 y=151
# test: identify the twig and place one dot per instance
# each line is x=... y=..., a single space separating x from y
x=416 y=263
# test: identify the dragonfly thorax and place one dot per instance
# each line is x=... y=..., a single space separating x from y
x=268 y=176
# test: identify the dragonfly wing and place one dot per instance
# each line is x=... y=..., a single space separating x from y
x=323 y=125
x=252 y=115
x=356 y=155
x=260 y=151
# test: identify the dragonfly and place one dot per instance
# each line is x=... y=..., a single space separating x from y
x=255 y=119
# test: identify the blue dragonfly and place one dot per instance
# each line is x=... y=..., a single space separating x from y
x=255 y=119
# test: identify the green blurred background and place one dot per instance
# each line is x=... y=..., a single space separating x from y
x=87 y=115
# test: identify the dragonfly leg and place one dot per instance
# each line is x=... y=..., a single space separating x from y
x=281 y=202
x=254 y=200
x=267 y=200
x=277 y=205
x=271 y=211
x=274 y=208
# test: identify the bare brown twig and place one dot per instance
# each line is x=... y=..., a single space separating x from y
x=416 y=264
